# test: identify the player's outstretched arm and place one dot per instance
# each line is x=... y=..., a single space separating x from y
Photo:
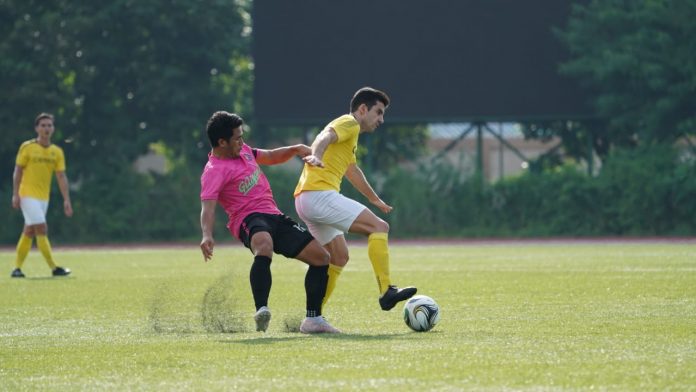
x=319 y=146
x=357 y=178
x=207 y=224
x=281 y=154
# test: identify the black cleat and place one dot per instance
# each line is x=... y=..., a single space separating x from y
x=394 y=295
x=17 y=273
x=60 y=271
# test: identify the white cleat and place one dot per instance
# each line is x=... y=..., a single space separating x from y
x=311 y=325
x=262 y=318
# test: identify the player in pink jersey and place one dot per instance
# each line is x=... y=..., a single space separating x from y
x=233 y=178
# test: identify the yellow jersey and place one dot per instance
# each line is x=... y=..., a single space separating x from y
x=337 y=157
x=38 y=164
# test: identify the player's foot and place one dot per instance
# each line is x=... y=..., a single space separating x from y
x=60 y=271
x=17 y=273
x=262 y=318
x=394 y=295
x=311 y=325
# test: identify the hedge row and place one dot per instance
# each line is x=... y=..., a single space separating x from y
x=649 y=192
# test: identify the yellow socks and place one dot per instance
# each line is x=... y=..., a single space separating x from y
x=378 y=251
x=23 y=247
x=45 y=248
x=334 y=272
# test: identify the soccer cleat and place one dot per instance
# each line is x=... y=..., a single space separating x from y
x=60 y=271
x=17 y=273
x=262 y=318
x=311 y=325
x=393 y=295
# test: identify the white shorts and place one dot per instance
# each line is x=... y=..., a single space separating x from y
x=34 y=210
x=327 y=214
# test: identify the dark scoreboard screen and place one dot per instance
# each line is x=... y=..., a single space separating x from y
x=439 y=60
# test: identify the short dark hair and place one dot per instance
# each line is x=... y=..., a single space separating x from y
x=42 y=116
x=221 y=126
x=368 y=96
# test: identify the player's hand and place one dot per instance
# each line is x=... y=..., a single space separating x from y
x=67 y=208
x=302 y=150
x=313 y=160
x=15 y=202
x=384 y=207
x=207 y=245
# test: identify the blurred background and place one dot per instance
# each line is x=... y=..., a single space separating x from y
x=508 y=119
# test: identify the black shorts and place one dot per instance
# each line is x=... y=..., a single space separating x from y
x=289 y=237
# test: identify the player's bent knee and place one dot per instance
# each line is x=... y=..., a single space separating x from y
x=325 y=257
x=319 y=259
x=380 y=227
x=262 y=244
x=263 y=249
x=314 y=254
x=340 y=260
x=320 y=255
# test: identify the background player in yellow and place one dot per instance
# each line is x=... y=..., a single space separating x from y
x=36 y=162
x=328 y=214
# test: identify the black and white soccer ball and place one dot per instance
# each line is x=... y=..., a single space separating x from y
x=421 y=313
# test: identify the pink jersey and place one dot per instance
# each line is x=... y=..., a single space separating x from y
x=239 y=186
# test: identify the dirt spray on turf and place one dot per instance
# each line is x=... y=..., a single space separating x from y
x=219 y=310
x=165 y=313
x=173 y=312
x=292 y=324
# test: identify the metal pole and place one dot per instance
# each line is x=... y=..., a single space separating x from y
x=479 y=150
x=501 y=157
x=590 y=155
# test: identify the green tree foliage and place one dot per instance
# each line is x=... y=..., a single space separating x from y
x=638 y=58
x=129 y=73
x=120 y=76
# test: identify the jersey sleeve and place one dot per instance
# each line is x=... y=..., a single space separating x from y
x=22 y=156
x=211 y=183
x=345 y=127
x=60 y=160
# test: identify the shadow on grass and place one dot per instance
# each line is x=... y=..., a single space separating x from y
x=46 y=278
x=261 y=340
x=329 y=336
x=361 y=337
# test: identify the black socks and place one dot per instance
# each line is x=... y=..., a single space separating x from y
x=260 y=279
x=315 y=287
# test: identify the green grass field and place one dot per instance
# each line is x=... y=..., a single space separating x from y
x=515 y=316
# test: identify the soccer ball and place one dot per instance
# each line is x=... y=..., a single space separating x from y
x=421 y=313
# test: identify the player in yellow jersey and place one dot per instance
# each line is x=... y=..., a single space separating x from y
x=328 y=214
x=36 y=162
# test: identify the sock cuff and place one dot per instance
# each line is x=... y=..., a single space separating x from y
x=335 y=268
x=265 y=259
x=378 y=236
